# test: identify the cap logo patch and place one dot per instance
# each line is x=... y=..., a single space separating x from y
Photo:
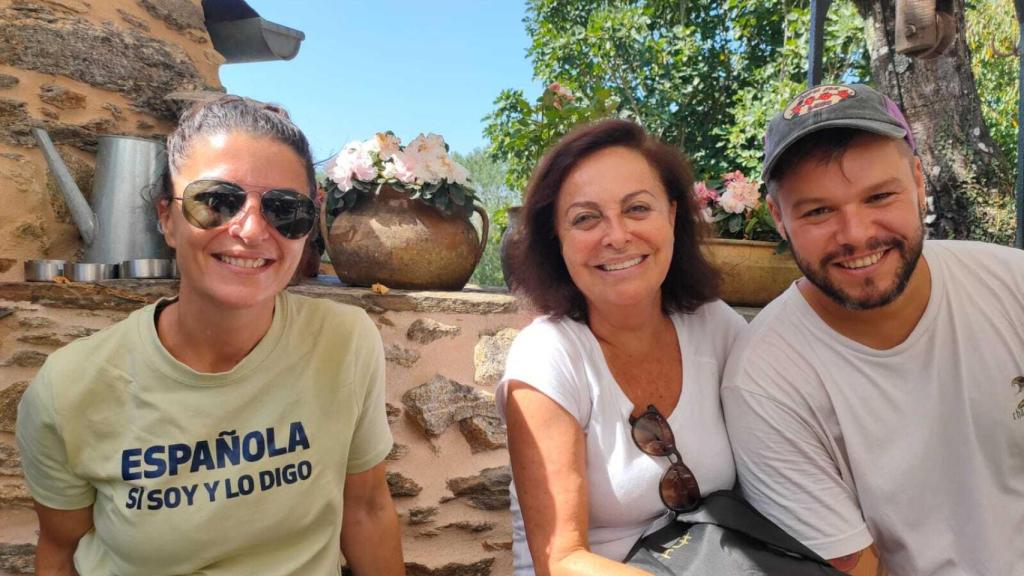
x=817 y=98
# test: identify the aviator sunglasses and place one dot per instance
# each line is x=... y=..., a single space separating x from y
x=211 y=203
x=653 y=436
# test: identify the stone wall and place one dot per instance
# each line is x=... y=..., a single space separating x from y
x=445 y=352
x=80 y=69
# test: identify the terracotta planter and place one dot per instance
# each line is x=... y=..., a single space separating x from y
x=753 y=275
x=402 y=243
x=506 y=240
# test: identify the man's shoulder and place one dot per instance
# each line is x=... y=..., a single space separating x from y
x=973 y=253
x=774 y=347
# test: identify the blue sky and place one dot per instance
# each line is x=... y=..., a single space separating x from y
x=409 y=66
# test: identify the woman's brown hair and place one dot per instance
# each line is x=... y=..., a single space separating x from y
x=537 y=267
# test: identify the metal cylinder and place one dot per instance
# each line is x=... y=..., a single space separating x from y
x=146 y=268
x=90 y=272
x=43 y=270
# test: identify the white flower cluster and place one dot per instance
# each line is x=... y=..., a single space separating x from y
x=423 y=161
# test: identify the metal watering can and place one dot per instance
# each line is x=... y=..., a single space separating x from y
x=121 y=223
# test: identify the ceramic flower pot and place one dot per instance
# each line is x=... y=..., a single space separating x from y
x=402 y=243
x=752 y=273
x=506 y=239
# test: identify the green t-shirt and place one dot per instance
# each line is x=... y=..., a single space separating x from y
x=239 y=473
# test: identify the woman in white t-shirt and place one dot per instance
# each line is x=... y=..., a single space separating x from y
x=609 y=250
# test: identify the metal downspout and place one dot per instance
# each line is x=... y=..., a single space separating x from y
x=1019 y=187
x=816 y=49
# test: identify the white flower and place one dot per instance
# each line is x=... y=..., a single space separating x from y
x=458 y=174
x=385 y=144
x=352 y=163
x=732 y=203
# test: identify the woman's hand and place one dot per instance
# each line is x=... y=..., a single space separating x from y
x=59 y=533
x=370 y=538
x=549 y=465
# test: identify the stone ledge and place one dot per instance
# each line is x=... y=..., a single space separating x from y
x=128 y=295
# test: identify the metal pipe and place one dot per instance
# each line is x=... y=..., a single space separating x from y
x=81 y=212
x=816 y=48
x=1019 y=188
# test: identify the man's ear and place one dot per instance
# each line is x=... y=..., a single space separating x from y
x=776 y=213
x=922 y=199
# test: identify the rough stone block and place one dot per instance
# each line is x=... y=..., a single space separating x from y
x=467 y=526
x=17 y=558
x=393 y=412
x=440 y=402
x=9 y=398
x=484 y=431
x=401 y=356
x=10 y=460
x=121 y=60
x=402 y=486
x=178 y=14
x=133 y=21
x=425 y=331
x=25 y=359
x=488 y=490
x=34 y=322
x=398 y=451
x=489 y=356
x=478 y=568
x=422 y=514
x=61 y=97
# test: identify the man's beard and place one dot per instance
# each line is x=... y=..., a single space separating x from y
x=909 y=254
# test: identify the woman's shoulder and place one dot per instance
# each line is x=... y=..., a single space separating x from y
x=714 y=316
x=546 y=333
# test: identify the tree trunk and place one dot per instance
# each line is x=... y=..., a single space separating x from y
x=968 y=178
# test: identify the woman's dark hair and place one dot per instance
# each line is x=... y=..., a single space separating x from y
x=227 y=114
x=537 y=267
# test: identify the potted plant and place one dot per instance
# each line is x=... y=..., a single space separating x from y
x=400 y=215
x=747 y=249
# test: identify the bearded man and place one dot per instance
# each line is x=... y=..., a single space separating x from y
x=874 y=401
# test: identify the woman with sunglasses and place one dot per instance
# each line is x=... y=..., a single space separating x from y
x=234 y=429
x=611 y=398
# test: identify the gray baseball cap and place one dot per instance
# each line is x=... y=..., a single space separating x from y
x=833 y=106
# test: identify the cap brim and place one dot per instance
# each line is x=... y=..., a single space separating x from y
x=880 y=128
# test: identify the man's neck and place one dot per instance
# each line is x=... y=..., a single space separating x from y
x=880 y=328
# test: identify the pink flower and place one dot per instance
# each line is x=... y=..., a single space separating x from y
x=402 y=167
x=746 y=191
x=562 y=94
x=705 y=196
x=734 y=176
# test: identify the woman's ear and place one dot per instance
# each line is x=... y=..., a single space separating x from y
x=164 y=222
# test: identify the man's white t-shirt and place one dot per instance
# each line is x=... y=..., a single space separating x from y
x=563 y=359
x=919 y=448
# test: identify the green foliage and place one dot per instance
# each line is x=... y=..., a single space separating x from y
x=702 y=74
x=489 y=180
x=992 y=35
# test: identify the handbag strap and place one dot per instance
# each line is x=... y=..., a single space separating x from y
x=729 y=510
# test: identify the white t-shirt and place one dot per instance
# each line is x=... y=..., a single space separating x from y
x=563 y=359
x=919 y=448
